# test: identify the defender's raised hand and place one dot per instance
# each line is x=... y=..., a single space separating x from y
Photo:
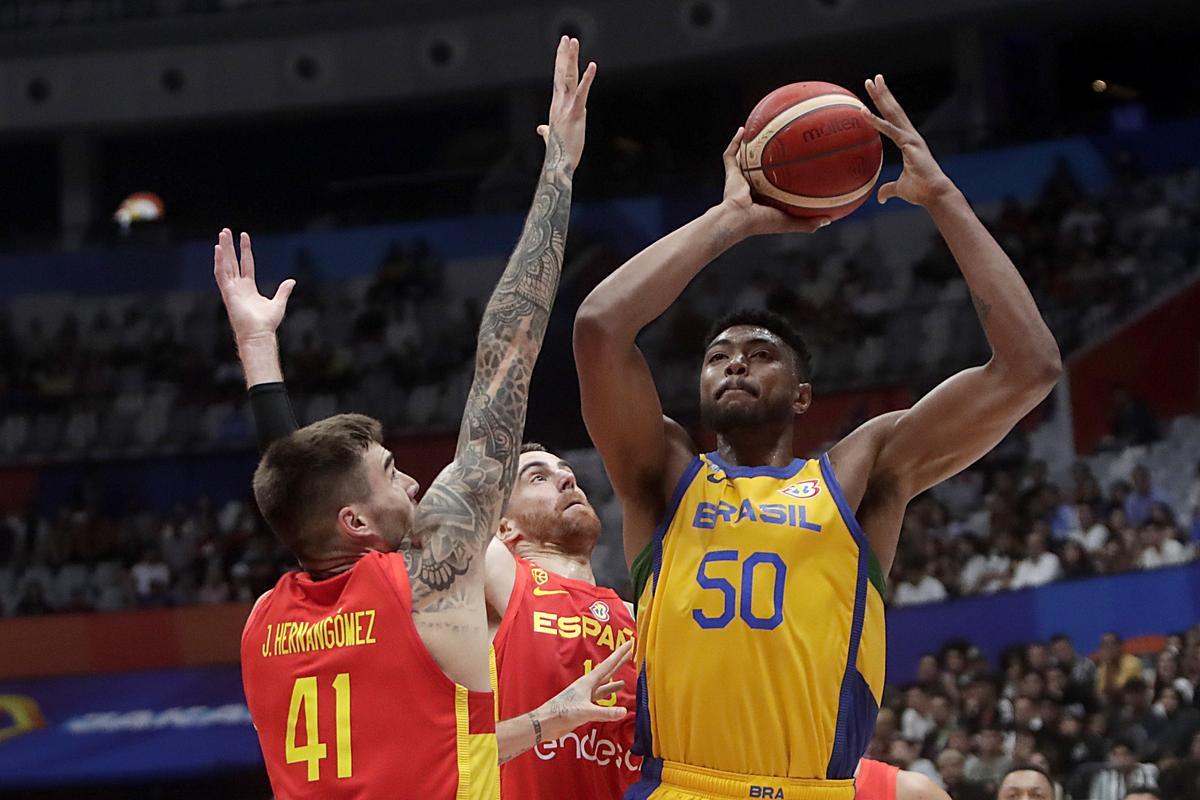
x=756 y=218
x=251 y=314
x=565 y=129
x=921 y=181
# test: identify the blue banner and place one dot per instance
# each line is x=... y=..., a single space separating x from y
x=1131 y=604
x=125 y=726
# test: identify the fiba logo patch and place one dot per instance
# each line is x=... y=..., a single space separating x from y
x=804 y=490
x=599 y=610
x=540 y=576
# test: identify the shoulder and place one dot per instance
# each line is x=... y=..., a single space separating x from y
x=915 y=786
x=859 y=449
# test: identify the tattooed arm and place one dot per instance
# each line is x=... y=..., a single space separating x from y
x=458 y=515
x=905 y=452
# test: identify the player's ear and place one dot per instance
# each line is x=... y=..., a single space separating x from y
x=507 y=531
x=352 y=525
x=802 y=399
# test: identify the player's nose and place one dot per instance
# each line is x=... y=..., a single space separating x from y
x=735 y=366
x=565 y=480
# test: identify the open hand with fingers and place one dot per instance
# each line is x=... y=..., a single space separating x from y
x=921 y=181
x=564 y=131
x=251 y=315
x=577 y=704
x=753 y=218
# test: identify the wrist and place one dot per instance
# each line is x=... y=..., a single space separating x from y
x=258 y=339
x=944 y=197
x=730 y=223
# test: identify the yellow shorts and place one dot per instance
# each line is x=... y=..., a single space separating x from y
x=666 y=780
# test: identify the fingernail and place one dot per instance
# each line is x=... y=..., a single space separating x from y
x=824 y=222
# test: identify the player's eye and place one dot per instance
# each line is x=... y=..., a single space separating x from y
x=537 y=477
x=761 y=354
x=715 y=357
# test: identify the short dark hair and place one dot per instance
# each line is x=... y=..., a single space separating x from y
x=1027 y=767
x=305 y=477
x=534 y=447
x=776 y=324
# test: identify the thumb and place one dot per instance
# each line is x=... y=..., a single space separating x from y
x=887 y=192
x=284 y=292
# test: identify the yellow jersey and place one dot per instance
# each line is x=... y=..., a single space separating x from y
x=760 y=628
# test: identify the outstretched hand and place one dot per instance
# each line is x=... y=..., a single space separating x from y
x=921 y=181
x=250 y=313
x=757 y=218
x=564 y=131
x=578 y=704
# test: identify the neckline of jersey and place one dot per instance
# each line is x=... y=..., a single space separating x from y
x=786 y=471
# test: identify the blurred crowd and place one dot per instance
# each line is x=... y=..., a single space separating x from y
x=130 y=375
x=1127 y=716
x=1016 y=528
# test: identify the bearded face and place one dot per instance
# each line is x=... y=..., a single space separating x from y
x=748 y=380
x=547 y=506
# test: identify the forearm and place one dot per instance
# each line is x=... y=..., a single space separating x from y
x=1015 y=330
x=259 y=355
x=543 y=724
x=272 y=411
x=519 y=309
x=269 y=402
x=645 y=286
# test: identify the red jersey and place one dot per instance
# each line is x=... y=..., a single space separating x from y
x=875 y=780
x=555 y=630
x=347 y=701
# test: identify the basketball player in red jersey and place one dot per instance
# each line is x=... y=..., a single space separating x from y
x=550 y=622
x=368 y=672
x=553 y=624
x=876 y=780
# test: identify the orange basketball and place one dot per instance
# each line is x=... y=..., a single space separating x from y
x=808 y=151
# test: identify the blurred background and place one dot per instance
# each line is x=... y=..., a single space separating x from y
x=1044 y=603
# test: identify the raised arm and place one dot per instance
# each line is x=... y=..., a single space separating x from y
x=644 y=453
x=458 y=515
x=906 y=452
x=254 y=320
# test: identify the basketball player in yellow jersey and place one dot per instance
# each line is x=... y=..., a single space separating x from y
x=759 y=575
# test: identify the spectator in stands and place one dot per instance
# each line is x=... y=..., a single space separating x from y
x=1167 y=674
x=1089 y=531
x=1039 y=567
x=993 y=762
x=1142 y=498
x=1114 y=667
x=1122 y=772
x=148 y=572
x=1082 y=671
x=906 y=754
x=1026 y=782
x=950 y=765
x=214 y=589
x=1175 y=726
x=918 y=586
x=1075 y=562
x=1180 y=779
x=916 y=722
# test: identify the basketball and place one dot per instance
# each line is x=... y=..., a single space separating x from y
x=808 y=151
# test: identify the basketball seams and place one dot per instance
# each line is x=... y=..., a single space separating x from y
x=801 y=159
x=752 y=150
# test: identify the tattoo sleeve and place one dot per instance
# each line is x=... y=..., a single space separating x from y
x=458 y=515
